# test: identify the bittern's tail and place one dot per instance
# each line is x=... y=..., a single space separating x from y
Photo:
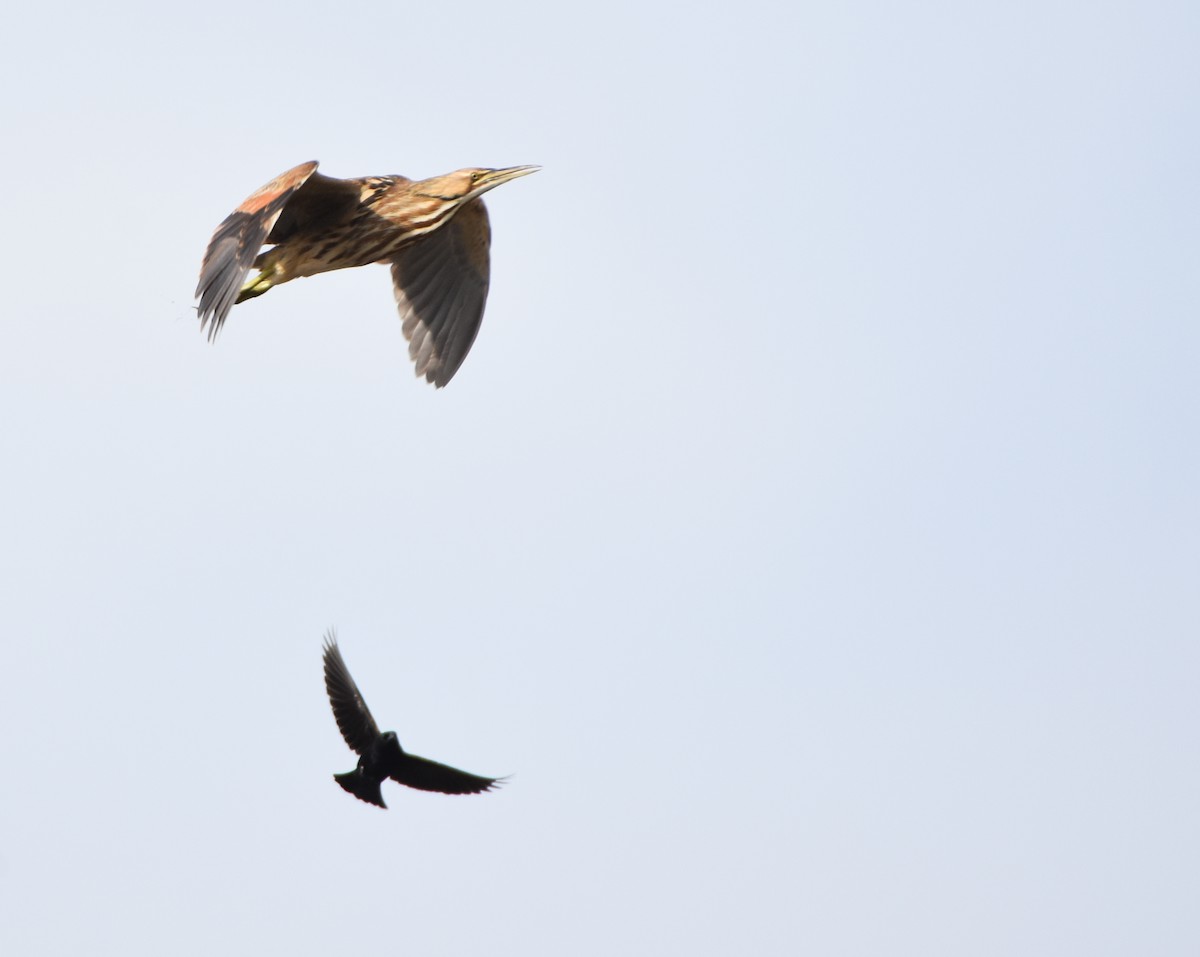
x=361 y=786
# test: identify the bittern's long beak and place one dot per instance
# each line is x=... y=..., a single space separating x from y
x=496 y=177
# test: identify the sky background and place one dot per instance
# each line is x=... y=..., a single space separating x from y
x=813 y=531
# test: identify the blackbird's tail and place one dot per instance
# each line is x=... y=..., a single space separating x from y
x=361 y=786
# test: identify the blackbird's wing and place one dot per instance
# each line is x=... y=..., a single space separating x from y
x=441 y=286
x=426 y=775
x=300 y=199
x=349 y=710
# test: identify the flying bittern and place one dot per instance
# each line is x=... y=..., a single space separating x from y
x=433 y=232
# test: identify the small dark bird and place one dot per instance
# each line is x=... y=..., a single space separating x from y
x=380 y=755
x=433 y=232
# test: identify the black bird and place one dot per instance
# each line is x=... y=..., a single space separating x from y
x=380 y=754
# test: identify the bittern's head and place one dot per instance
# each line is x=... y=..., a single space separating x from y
x=465 y=184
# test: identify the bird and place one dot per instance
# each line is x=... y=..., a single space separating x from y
x=434 y=232
x=380 y=754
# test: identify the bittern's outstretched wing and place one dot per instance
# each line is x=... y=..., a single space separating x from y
x=441 y=285
x=349 y=710
x=426 y=775
x=236 y=242
x=300 y=200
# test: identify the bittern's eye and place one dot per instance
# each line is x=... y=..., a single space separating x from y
x=477 y=176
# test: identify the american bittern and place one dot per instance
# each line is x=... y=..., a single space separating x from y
x=380 y=754
x=434 y=232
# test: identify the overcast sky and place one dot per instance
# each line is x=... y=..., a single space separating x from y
x=812 y=532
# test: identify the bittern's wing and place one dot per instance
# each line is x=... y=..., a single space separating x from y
x=236 y=242
x=349 y=710
x=426 y=775
x=441 y=285
x=320 y=203
x=300 y=199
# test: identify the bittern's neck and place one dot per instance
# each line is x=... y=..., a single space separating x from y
x=419 y=212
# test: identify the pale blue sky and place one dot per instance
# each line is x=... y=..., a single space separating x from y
x=812 y=531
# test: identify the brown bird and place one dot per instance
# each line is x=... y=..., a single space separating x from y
x=433 y=232
x=380 y=754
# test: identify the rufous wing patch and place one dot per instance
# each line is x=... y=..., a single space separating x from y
x=281 y=185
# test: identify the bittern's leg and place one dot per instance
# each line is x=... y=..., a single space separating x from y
x=268 y=272
x=257 y=286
